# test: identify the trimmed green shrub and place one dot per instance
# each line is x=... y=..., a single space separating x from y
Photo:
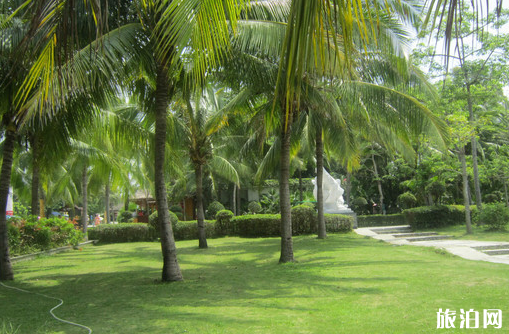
x=304 y=220
x=223 y=222
x=435 y=216
x=122 y=233
x=360 y=206
x=406 y=200
x=213 y=209
x=494 y=216
x=188 y=230
x=154 y=222
x=254 y=207
x=175 y=208
x=494 y=197
x=264 y=225
x=381 y=220
x=124 y=216
x=335 y=223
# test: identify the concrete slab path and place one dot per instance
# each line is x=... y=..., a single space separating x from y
x=468 y=249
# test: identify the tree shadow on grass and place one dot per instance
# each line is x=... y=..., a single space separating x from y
x=235 y=282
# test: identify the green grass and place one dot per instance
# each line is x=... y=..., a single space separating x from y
x=344 y=284
x=479 y=233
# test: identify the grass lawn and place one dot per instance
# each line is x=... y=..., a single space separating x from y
x=479 y=233
x=344 y=284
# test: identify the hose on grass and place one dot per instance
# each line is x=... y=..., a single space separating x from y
x=61 y=302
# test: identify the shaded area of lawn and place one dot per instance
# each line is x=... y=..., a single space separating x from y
x=344 y=284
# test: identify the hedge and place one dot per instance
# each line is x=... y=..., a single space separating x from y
x=261 y=225
x=265 y=225
x=381 y=220
x=188 y=230
x=435 y=216
x=124 y=232
x=335 y=223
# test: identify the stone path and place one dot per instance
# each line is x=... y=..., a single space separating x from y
x=491 y=251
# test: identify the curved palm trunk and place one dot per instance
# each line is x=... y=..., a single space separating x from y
x=171 y=268
x=6 y=272
x=35 y=144
x=84 y=192
x=466 y=191
x=322 y=234
x=284 y=193
x=200 y=216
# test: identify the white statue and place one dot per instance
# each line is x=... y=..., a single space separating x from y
x=333 y=201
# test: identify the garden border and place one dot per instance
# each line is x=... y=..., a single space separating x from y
x=32 y=256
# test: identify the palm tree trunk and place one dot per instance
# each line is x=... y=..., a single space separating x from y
x=466 y=191
x=84 y=192
x=126 y=200
x=107 y=201
x=322 y=234
x=200 y=215
x=301 y=188
x=35 y=145
x=171 y=268
x=234 y=199
x=284 y=192
x=6 y=272
x=379 y=184
x=477 y=185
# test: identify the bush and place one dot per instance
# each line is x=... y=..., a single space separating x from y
x=154 y=222
x=213 y=209
x=254 y=207
x=381 y=220
x=304 y=220
x=26 y=236
x=124 y=216
x=494 y=197
x=176 y=208
x=360 y=206
x=122 y=233
x=494 y=216
x=406 y=200
x=335 y=223
x=223 y=222
x=264 y=225
x=435 y=216
x=188 y=230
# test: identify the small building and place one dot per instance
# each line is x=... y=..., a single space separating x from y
x=146 y=205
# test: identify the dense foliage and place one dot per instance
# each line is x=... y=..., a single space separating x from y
x=32 y=235
x=494 y=216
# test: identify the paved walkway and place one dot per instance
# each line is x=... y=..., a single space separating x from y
x=491 y=251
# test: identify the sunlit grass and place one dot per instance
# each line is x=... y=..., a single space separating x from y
x=344 y=284
x=479 y=233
